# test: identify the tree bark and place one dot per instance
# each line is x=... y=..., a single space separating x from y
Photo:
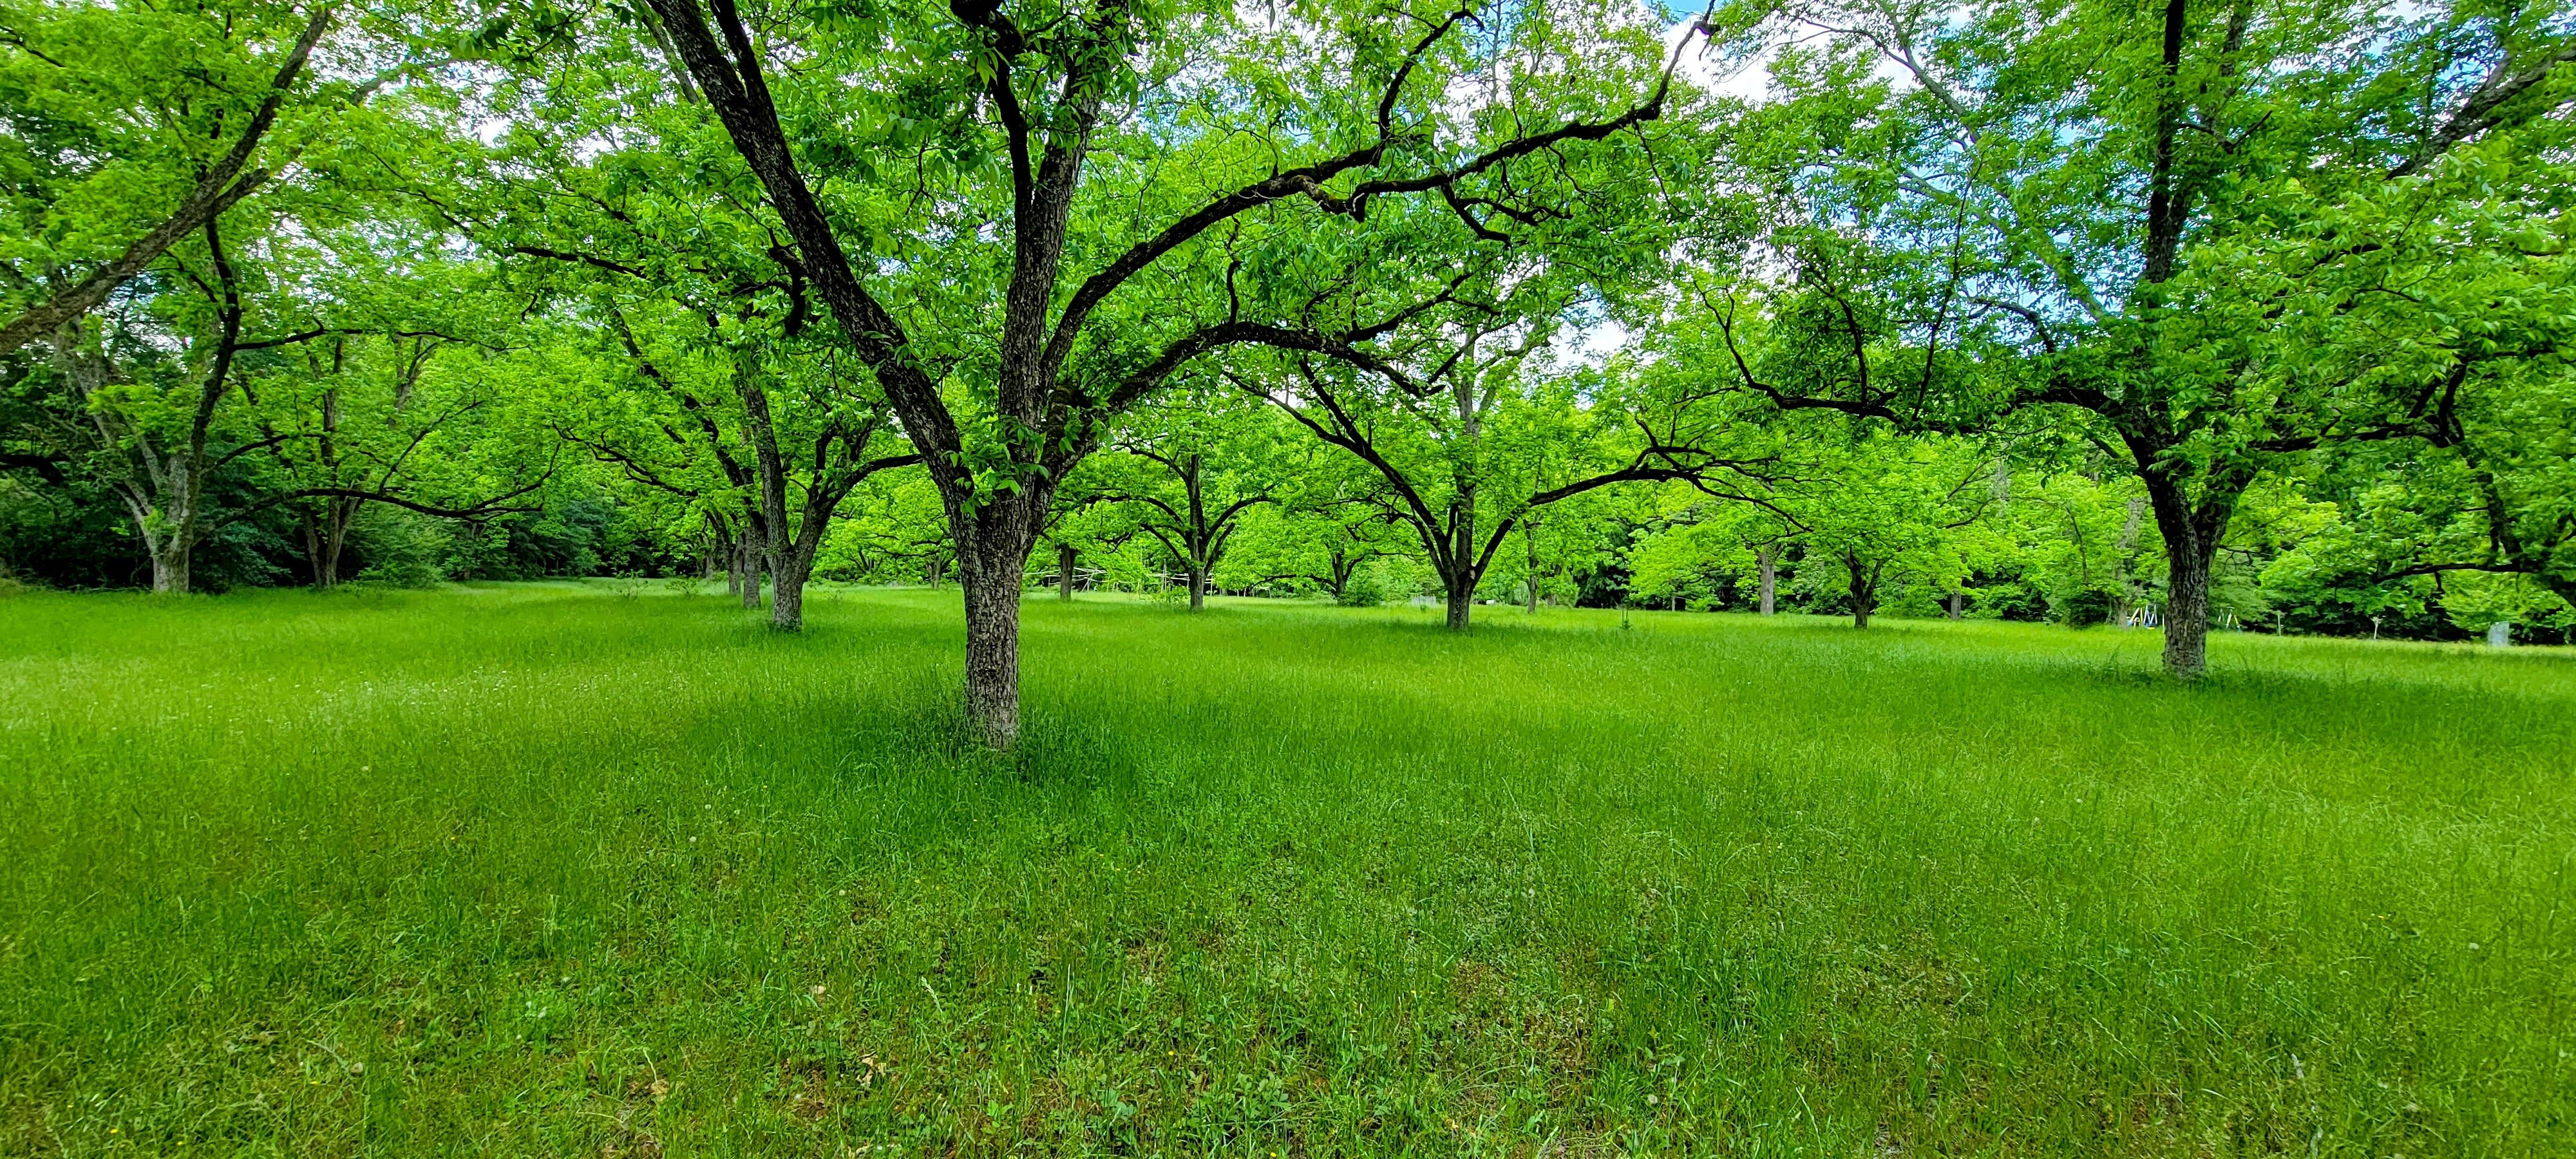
x=1529 y=540
x=2128 y=601
x=991 y=558
x=2192 y=531
x=323 y=545
x=2187 y=615
x=326 y=538
x=1461 y=576
x=790 y=556
x=330 y=576
x=792 y=559
x=313 y=550
x=993 y=660
x=1956 y=605
x=1461 y=598
x=1064 y=557
x=2190 y=555
x=1864 y=592
x=747 y=553
x=1769 y=560
x=1198 y=590
x=170 y=559
x=787 y=592
x=326 y=523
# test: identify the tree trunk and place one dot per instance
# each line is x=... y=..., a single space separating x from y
x=160 y=491
x=1957 y=604
x=1064 y=557
x=2192 y=532
x=787 y=592
x=747 y=551
x=2187 y=614
x=1770 y=563
x=1529 y=574
x=1864 y=593
x=1462 y=598
x=1463 y=570
x=991 y=574
x=338 y=514
x=1196 y=535
x=2128 y=601
x=313 y=549
x=170 y=565
x=779 y=547
x=171 y=545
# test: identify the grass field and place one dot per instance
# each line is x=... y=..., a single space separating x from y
x=569 y=870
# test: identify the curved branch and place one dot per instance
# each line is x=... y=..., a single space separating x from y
x=216 y=191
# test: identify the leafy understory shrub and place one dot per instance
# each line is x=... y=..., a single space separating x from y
x=399 y=548
x=2087 y=607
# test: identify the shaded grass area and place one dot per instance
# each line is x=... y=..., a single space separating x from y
x=546 y=869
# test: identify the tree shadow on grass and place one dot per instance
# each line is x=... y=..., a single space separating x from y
x=1057 y=749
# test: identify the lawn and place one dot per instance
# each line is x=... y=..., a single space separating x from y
x=613 y=870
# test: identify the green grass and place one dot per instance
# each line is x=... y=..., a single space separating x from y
x=551 y=869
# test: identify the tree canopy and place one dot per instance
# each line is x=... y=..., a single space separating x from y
x=2188 y=314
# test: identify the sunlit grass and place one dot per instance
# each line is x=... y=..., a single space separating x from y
x=556 y=869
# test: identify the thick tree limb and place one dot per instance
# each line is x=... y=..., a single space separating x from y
x=2484 y=107
x=729 y=75
x=1309 y=181
x=47 y=467
x=222 y=185
x=497 y=505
